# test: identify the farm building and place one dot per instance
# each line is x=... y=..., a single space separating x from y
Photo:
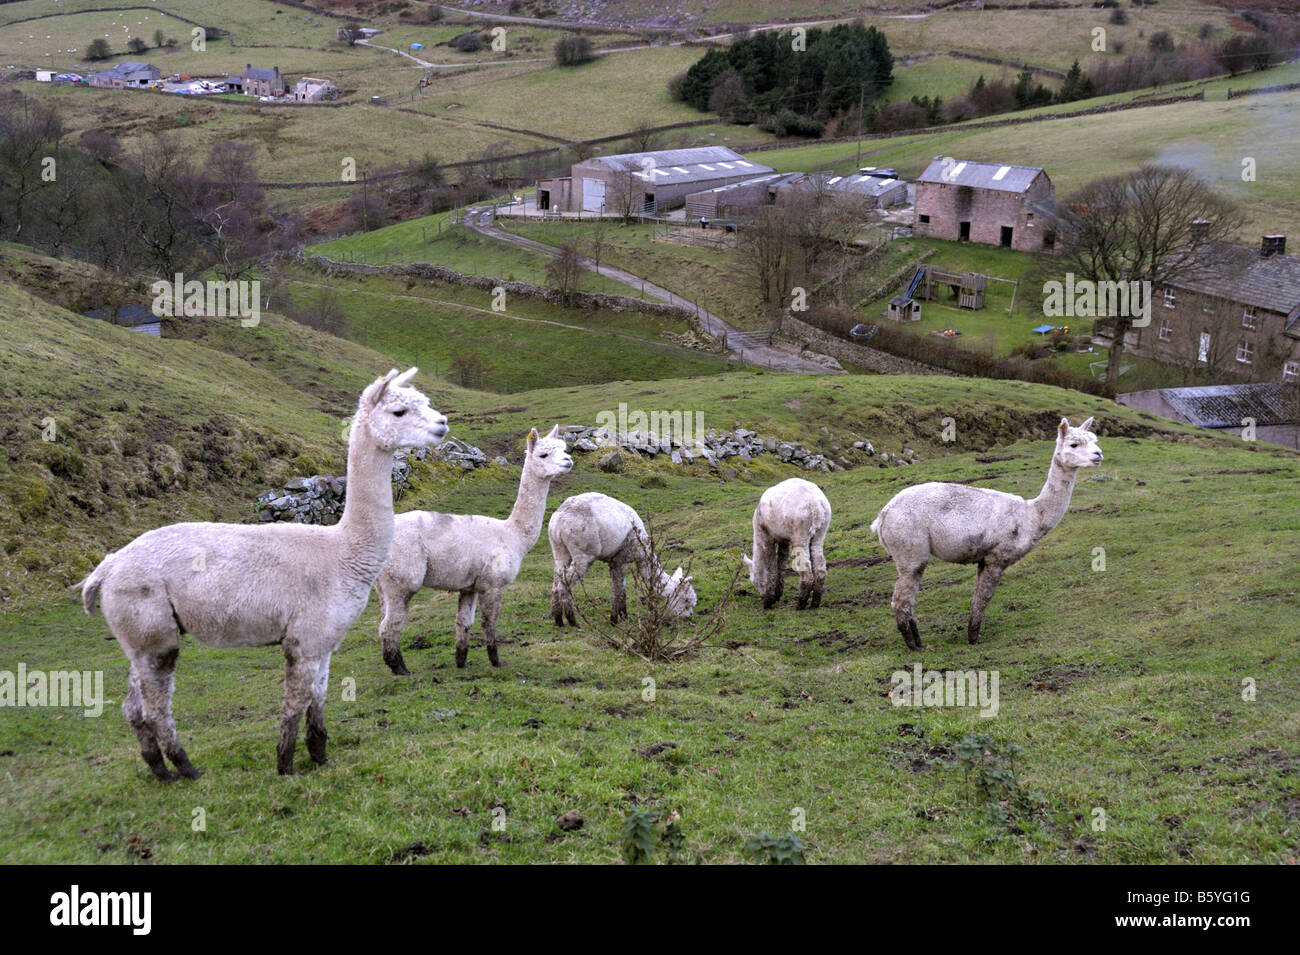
x=993 y=204
x=135 y=317
x=257 y=81
x=875 y=189
x=737 y=198
x=1271 y=405
x=1241 y=315
x=632 y=183
x=311 y=90
x=125 y=75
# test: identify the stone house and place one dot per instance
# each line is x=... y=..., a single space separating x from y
x=126 y=75
x=1009 y=206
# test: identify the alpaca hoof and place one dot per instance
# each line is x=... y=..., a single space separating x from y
x=559 y=619
x=460 y=657
x=492 y=657
x=191 y=772
x=288 y=771
x=323 y=761
x=399 y=670
x=167 y=776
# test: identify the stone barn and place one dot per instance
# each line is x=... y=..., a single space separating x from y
x=989 y=203
x=737 y=198
x=648 y=182
x=875 y=189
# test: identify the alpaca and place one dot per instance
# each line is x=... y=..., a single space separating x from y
x=477 y=557
x=591 y=527
x=792 y=516
x=972 y=525
x=240 y=585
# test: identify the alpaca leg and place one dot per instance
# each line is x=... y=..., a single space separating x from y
x=778 y=555
x=299 y=677
x=395 y=604
x=563 y=606
x=803 y=567
x=617 y=590
x=986 y=581
x=316 y=735
x=157 y=683
x=133 y=710
x=817 y=552
x=909 y=582
x=491 y=608
x=464 y=620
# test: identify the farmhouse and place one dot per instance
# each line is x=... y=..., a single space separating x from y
x=124 y=75
x=1241 y=316
x=1010 y=206
x=646 y=182
x=1272 y=407
x=257 y=81
x=311 y=90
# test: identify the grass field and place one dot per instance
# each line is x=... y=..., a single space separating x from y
x=1123 y=686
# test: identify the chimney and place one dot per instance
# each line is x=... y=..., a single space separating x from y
x=1199 y=229
x=1272 y=245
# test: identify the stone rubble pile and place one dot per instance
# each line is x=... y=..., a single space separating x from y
x=319 y=499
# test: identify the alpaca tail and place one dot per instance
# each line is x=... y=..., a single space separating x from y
x=89 y=586
x=800 y=560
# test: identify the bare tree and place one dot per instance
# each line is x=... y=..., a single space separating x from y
x=644 y=137
x=1152 y=225
x=564 y=273
x=29 y=133
x=767 y=254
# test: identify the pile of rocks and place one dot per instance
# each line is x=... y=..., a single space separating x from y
x=711 y=448
x=319 y=499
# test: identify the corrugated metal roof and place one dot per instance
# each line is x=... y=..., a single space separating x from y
x=861 y=185
x=980 y=175
x=1240 y=274
x=1224 y=406
x=702 y=163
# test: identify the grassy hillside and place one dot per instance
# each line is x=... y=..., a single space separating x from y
x=1123 y=686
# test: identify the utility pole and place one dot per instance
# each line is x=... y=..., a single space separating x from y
x=862 y=97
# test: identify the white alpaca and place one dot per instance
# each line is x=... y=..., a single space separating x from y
x=243 y=585
x=972 y=525
x=477 y=557
x=591 y=527
x=791 y=518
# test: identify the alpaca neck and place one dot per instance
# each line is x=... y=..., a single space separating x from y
x=530 y=507
x=1054 y=499
x=367 y=521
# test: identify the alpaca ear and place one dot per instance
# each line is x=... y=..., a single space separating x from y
x=677 y=575
x=403 y=379
x=1086 y=426
x=532 y=439
x=554 y=432
x=1064 y=428
x=381 y=387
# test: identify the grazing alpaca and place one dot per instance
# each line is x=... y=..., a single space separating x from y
x=591 y=527
x=477 y=557
x=241 y=585
x=791 y=516
x=972 y=525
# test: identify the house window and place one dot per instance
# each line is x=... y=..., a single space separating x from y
x=925 y=219
x=1290 y=370
x=1166 y=330
x=1246 y=352
x=1169 y=298
x=1248 y=317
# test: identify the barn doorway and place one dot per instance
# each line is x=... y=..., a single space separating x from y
x=593 y=195
x=964 y=231
x=543 y=199
x=1006 y=237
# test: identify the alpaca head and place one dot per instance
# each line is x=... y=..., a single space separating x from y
x=395 y=415
x=1076 y=447
x=547 y=456
x=679 y=594
x=757 y=573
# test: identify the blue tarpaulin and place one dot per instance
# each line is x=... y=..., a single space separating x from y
x=1044 y=329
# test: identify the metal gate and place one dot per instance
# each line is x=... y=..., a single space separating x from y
x=593 y=195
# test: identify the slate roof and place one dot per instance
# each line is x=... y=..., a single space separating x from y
x=671 y=166
x=126 y=69
x=981 y=175
x=1241 y=275
x=1224 y=406
x=259 y=73
x=863 y=185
